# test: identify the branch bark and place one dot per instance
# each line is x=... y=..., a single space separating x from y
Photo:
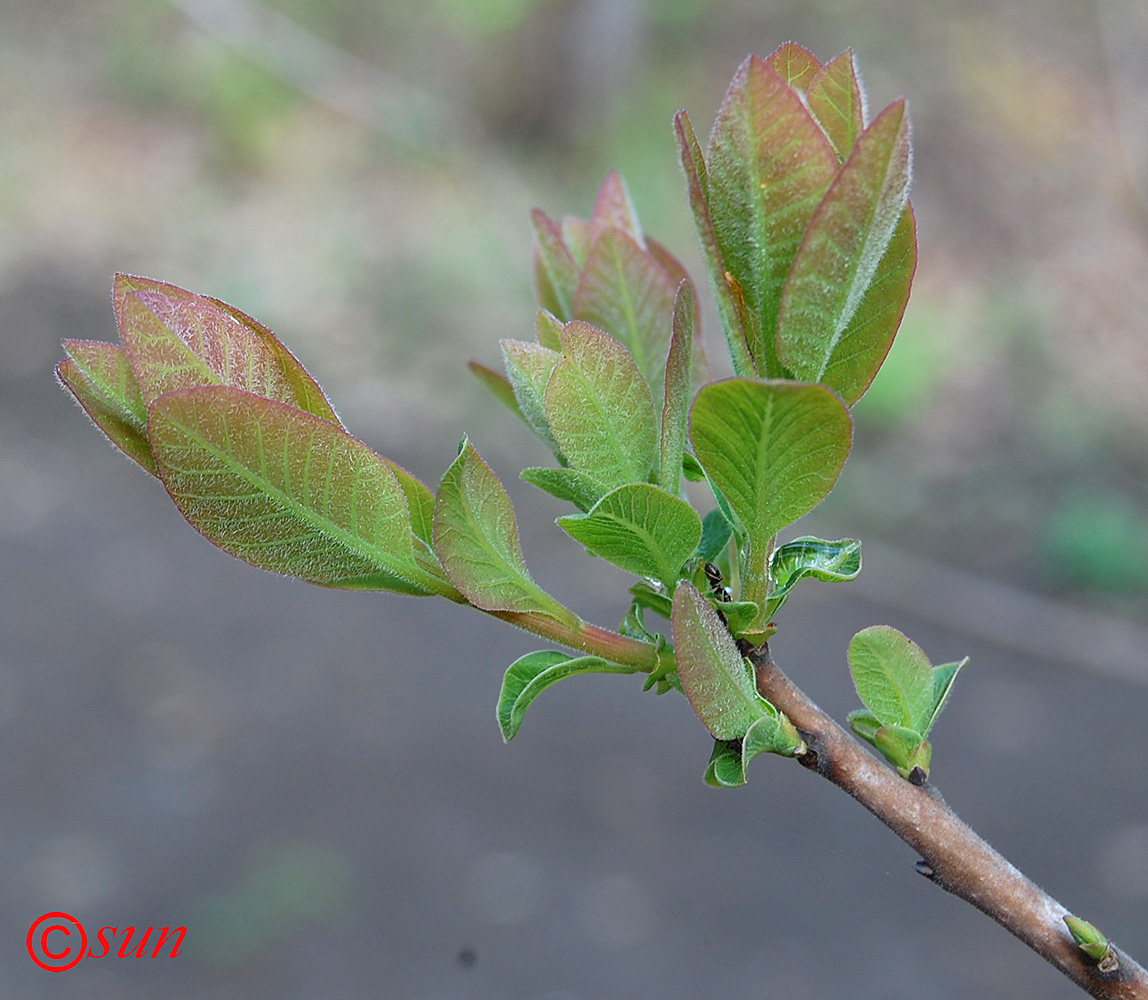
x=953 y=856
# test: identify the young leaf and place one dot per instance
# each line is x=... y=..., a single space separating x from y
x=731 y=306
x=795 y=65
x=287 y=491
x=716 y=679
x=904 y=748
x=716 y=530
x=862 y=348
x=548 y=330
x=476 y=540
x=641 y=528
x=614 y=209
x=893 y=677
x=648 y=597
x=529 y=367
x=943 y=678
x=177 y=340
x=773 y=449
x=769 y=164
x=600 y=409
x=555 y=272
x=772 y=733
x=838 y=103
x=528 y=676
x=864 y=723
x=829 y=561
x=575 y=487
x=100 y=377
x=627 y=293
x=576 y=233
x=844 y=243
x=675 y=409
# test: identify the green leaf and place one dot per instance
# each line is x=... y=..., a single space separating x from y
x=627 y=293
x=555 y=272
x=287 y=491
x=893 y=677
x=773 y=449
x=600 y=409
x=100 y=377
x=844 y=243
x=529 y=367
x=692 y=469
x=1090 y=940
x=575 y=487
x=837 y=102
x=641 y=528
x=731 y=305
x=499 y=387
x=769 y=164
x=177 y=340
x=863 y=346
x=795 y=65
x=832 y=562
x=528 y=676
x=864 y=723
x=716 y=530
x=725 y=768
x=675 y=409
x=654 y=600
x=943 y=678
x=576 y=234
x=739 y=615
x=548 y=329
x=904 y=748
x=715 y=677
x=476 y=540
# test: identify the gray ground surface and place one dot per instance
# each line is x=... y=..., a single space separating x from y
x=314 y=784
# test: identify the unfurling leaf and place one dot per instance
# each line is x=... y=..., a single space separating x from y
x=730 y=758
x=943 y=678
x=640 y=528
x=837 y=102
x=476 y=540
x=676 y=408
x=832 y=562
x=906 y=749
x=773 y=449
x=289 y=492
x=528 y=367
x=578 y=488
x=528 y=676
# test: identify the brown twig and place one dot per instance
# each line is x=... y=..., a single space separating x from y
x=953 y=856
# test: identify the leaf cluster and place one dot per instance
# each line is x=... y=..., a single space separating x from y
x=801 y=206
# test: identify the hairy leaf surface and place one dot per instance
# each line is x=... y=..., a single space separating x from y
x=893 y=677
x=838 y=103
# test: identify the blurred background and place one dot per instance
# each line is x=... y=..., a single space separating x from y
x=312 y=781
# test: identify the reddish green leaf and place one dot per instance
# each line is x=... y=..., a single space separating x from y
x=730 y=303
x=576 y=234
x=177 y=339
x=838 y=103
x=715 y=677
x=476 y=540
x=675 y=409
x=613 y=209
x=769 y=164
x=288 y=491
x=627 y=293
x=556 y=273
x=600 y=409
x=795 y=65
x=865 y=342
x=844 y=244
x=100 y=377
